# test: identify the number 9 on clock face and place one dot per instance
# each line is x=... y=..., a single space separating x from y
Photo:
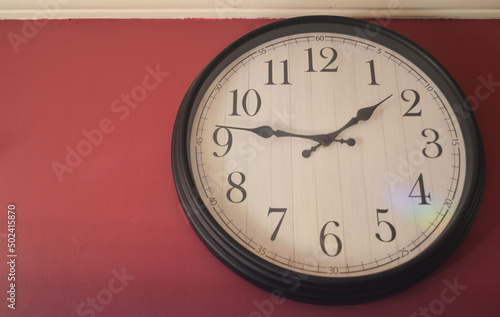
x=328 y=158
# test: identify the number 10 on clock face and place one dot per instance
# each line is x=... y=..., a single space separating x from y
x=327 y=154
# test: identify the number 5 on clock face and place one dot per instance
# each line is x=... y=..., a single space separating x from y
x=328 y=155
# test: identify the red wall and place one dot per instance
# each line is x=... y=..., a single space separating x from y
x=116 y=212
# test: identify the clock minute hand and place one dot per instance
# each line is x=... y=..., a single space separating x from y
x=266 y=132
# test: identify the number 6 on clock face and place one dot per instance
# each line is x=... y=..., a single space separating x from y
x=345 y=159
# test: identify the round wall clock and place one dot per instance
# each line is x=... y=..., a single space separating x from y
x=328 y=159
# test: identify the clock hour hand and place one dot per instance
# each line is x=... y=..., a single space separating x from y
x=266 y=132
x=363 y=114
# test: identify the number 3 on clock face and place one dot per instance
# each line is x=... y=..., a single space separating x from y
x=313 y=151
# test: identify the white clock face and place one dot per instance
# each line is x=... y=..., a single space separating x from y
x=327 y=154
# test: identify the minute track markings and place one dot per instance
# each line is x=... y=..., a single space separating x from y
x=240 y=233
x=442 y=108
x=198 y=164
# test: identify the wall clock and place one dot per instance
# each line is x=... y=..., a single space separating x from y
x=328 y=159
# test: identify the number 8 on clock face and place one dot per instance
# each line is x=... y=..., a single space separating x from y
x=332 y=163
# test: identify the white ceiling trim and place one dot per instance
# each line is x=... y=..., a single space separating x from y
x=386 y=9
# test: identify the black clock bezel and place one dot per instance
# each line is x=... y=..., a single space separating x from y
x=309 y=288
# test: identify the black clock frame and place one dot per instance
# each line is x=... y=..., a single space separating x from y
x=309 y=288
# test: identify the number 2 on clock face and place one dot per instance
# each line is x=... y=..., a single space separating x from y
x=327 y=154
